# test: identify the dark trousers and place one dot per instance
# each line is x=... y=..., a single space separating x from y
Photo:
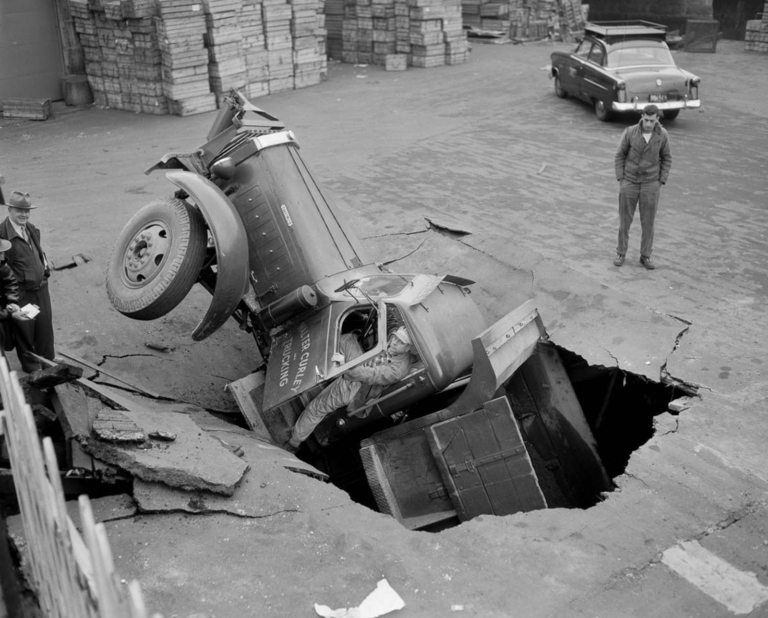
x=35 y=335
x=646 y=195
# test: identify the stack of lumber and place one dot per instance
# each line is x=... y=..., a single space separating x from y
x=181 y=57
x=254 y=50
x=428 y=32
x=309 y=36
x=334 y=18
x=181 y=30
x=531 y=19
x=520 y=19
x=122 y=54
x=277 y=32
x=575 y=17
x=756 y=36
x=494 y=16
x=223 y=40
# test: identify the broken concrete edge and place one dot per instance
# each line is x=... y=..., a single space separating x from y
x=120 y=457
x=105 y=509
x=444 y=226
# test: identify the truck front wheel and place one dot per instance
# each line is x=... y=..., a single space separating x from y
x=157 y=259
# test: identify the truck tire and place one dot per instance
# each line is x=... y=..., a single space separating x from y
x=157 y=259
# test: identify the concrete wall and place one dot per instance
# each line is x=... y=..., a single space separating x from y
x=672 y=13
x=30 y=51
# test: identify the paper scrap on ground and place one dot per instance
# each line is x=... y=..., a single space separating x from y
x=381 y=601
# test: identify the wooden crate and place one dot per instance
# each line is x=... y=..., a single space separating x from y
x=31 y=109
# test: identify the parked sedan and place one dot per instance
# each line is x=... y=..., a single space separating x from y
x=622 y=67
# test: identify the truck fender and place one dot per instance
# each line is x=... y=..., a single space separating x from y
x=231 y=242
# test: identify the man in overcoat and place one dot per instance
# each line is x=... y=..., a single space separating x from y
x=30 y=267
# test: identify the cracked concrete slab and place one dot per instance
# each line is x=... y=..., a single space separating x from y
x=579 y=314
x=266 y=488
x=194 y=460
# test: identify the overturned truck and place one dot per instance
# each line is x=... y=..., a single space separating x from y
x=486 y=421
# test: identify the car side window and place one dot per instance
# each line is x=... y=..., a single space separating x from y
x=582 y=51
x=597 y=54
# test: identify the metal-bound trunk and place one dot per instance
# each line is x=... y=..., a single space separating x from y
x=484 y=463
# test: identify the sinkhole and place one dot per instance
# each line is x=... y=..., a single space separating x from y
x=557 y=434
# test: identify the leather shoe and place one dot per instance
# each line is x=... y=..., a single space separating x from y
x=618 y=260
x=646 y=261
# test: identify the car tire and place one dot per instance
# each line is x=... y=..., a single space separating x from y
x=671 y=114
x=559 y=92
x=157 y=259
x=602 y=111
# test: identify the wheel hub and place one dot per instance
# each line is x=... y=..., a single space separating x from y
x=146 y=253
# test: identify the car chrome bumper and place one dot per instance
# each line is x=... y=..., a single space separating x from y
x=638 y=106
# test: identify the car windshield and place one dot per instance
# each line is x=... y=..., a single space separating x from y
x=386 y=285
x=639 y=56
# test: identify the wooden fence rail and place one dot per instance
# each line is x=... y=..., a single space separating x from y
x=74 y=575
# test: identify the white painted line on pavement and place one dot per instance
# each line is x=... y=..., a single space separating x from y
x=738 y=590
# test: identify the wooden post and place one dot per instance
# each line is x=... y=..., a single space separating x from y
x=74 y=58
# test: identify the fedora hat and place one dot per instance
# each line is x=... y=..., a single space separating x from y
x=5 y=245
x=20 y=200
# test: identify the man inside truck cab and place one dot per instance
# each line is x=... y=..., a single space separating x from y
x=357 y=385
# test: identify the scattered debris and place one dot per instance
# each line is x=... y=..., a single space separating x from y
x=488 y=36
x=160 y=347
x=71 y=262
x=51 y=376
x=678 y=405
x=382 y=600
x=114 y=426
x=163 y=436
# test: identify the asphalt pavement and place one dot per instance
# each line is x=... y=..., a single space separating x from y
x=487 y=148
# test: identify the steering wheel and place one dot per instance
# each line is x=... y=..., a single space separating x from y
x=370 y=322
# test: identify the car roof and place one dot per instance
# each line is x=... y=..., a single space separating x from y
x=613 y=31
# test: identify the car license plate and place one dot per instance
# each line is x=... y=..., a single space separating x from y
x=658 y=98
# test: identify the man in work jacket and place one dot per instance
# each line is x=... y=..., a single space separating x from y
x=643 y=161
x=29 y=266
x=357 y=385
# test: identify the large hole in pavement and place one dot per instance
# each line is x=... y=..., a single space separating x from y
x=618 y=406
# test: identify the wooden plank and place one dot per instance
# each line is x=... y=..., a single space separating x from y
x=542 y=451
x=75 y=409
x=248 y=392
x=107 y=373
x=561 y=412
